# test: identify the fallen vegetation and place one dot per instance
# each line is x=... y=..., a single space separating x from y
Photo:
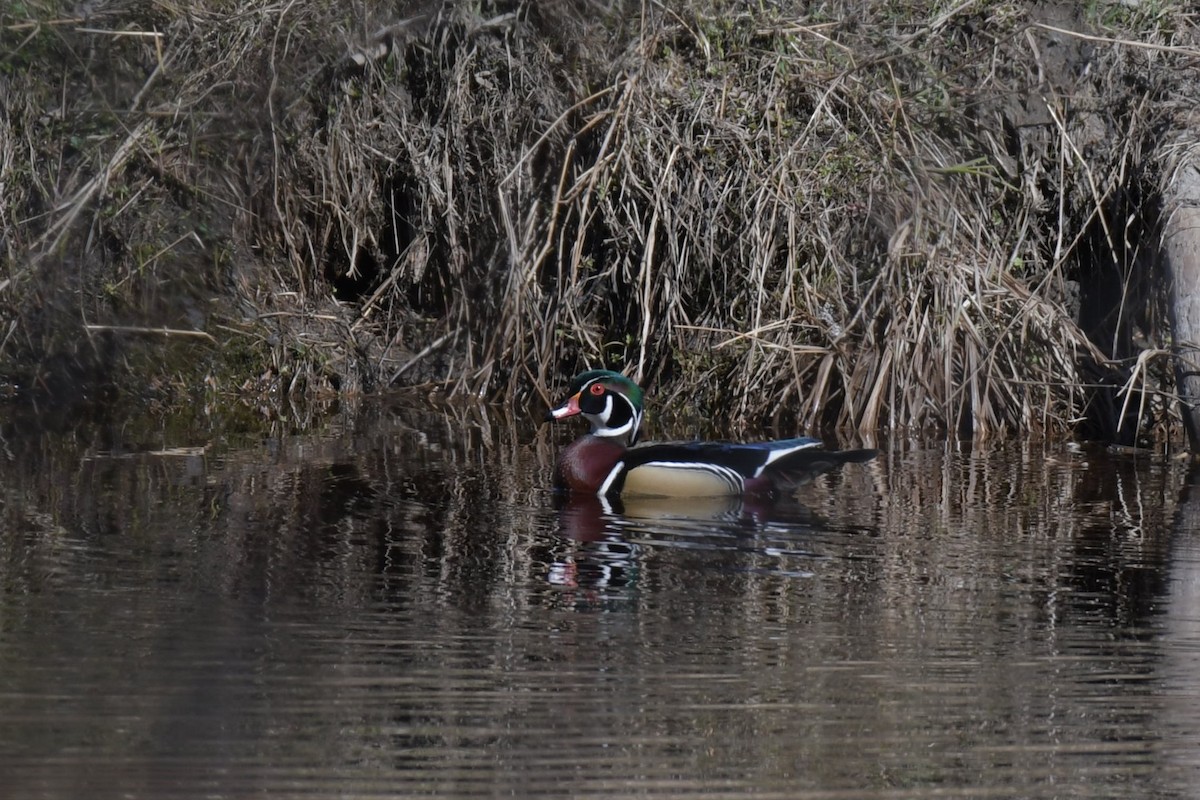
x=831 y=214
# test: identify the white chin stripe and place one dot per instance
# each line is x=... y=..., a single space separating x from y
x=626 y=428
x=601 y=422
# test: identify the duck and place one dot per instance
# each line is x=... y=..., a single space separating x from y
x=609 y=462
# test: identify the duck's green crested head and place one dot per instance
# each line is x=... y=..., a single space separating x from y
x=608 y=400
x=614 y=381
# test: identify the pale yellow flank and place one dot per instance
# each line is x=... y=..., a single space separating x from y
x=660 y=479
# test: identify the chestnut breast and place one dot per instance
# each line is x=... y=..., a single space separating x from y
x=585 y=464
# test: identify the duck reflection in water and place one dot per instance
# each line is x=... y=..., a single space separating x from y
x=588 y=518
x=600 y=556
x=608 y=535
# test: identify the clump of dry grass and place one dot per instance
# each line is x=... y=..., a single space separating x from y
x=421 y=162
x=134 y=141
x=873 y=218
x=822 y=219
x=833 y=214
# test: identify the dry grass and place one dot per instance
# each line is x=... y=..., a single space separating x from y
x=821 y=219
x=837 y=214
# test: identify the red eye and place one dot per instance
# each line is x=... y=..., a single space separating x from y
x=597 y=389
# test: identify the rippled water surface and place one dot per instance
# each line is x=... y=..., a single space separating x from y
x=396 y=606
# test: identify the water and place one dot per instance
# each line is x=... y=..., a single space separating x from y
x=396 y=606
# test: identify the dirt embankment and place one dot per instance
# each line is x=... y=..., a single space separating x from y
x=853 y=214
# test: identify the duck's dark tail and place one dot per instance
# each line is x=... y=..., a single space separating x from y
x=802 y=466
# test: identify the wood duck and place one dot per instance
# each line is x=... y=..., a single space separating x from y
x=608 y=461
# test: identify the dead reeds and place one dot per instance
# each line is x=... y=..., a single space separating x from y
x=821 y=221
x=844 y=214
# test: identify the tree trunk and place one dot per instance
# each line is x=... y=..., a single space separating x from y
x=1181 y=258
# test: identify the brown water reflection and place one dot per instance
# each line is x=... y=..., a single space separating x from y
x=396 y=606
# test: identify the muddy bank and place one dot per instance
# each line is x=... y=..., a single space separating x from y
x=815 y=215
